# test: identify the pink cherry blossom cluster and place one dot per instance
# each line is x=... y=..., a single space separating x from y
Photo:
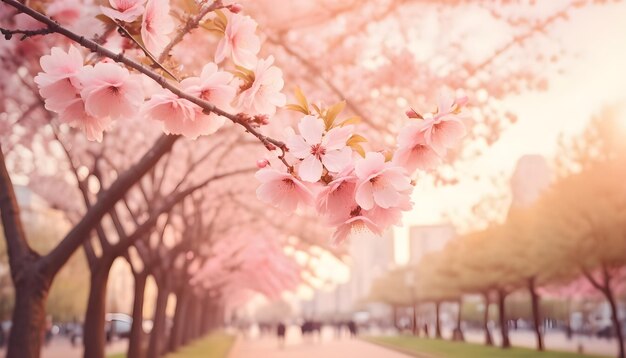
x=364 y=193
x=87 y=97
x=90 y=96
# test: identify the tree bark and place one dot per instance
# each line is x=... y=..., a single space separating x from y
x=536 y=311
x=437 y=320
x=504 y=328
x=415 y=327
x=458 y=331
x=617 y=325
x=136 y=331
x=488 y=338
x=157 y=336
x=180 y=316
x=30 y=281
x=93 y=332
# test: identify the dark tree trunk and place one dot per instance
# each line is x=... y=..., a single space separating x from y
x=93 y=332
x=458 y=331
x=617 y=325
x=415 y=326
x=31 y=282
x=157 y=336
x=136 y=331
x=488 y=338
x=536 y=311
x=29 y=315
x=504 y=328
x=438 y=320
x=180 y=318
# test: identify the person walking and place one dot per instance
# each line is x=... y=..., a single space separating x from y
x=280 y=332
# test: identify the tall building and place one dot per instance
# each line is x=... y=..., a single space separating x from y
x=370 y=257
x=424 y=239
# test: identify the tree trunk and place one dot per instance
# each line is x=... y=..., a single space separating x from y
x=536 y=311
x=437 y=320
x=176 y=334
x=136 y=331
x=504 y=328
x=94 y=330
x=610 y=297
x=29 y=315
x=488 y=339
x=415 y=327
x=157 y=336
x=458 y=331
x=27 y=272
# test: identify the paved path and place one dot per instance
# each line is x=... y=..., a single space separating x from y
x=60 y=347
x=295 y=347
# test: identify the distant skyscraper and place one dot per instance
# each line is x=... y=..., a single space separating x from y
x=428 y=238
x=530 y=178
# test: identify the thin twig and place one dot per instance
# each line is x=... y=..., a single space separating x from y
x=145 y=50
x=8 y=34
x=191 y=24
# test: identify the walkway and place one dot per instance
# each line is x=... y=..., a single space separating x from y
x=296 y=347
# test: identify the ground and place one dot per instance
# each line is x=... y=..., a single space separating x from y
x=433 y=348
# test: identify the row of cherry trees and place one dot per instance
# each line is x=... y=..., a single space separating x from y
x=570 y=244
x=96 y=99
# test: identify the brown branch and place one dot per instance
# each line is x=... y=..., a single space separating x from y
x=8 y=34
x=191 y=24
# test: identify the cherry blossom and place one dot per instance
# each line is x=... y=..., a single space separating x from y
x=177 y=114
x=75 y=115
x=355 y=226
x=336 y=200
x=110 y=90
x=282 y=190
x=66 y=12
x=263 y=95
x=380 y=183
x=124 y=10
x=444 y=129
x=239 y=42
x=59 y=80
x=212 y=86
x=317 y=148
x=413 y=152
x=156 y=25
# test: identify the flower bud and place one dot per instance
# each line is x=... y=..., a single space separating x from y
x=234 y=8
x=262 y=163
x=411 y=113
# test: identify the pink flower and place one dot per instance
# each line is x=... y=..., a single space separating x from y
x=282 y=190
x=177 y=114
x=124 y=10
x=413 y=152
x=156 y=25
x=355 y=226
x=263 y=95
x=212 y=86
x=58 y=83
x=239 y=41
x=336 y=200
x=445 y=128
x=65 y=12
x=380 y=183
x=318 y=150
x=75 y=115
x=110 y=90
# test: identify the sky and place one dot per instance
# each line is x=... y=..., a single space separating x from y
x=594 y=76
